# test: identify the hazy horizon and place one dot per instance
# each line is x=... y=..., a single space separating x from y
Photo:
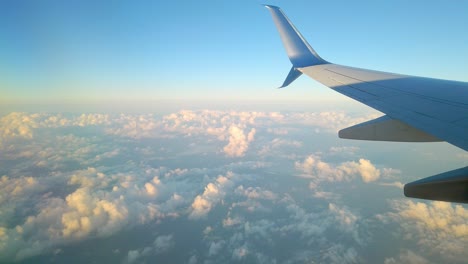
x=143 y=132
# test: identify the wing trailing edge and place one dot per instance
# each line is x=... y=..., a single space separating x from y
x=386 y=128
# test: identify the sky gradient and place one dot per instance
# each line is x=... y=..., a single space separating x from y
x=87 y=51
x=152 y=132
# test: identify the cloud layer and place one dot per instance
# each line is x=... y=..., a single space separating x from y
x=212 y=187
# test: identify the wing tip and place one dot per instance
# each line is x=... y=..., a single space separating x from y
x=270 y=6
x=300 y=53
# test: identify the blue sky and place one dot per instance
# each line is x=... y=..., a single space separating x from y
x=151 y=131
x=82 y=51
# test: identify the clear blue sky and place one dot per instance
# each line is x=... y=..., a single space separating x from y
x=153 y=50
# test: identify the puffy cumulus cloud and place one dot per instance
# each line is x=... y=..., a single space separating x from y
x=79 y=215
x=367 y=170
x=238 y=141
x=160 y=245
x=214 y=192
x=314 y=167
x=150 y=189
x=85 y=214
x=96 y=185
x=17 y=125
x=440 y=227
x=73 y=206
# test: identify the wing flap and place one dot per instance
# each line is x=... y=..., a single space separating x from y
x=386 y=128
x=451 y=186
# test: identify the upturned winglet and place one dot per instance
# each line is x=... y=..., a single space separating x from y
x=300 y=53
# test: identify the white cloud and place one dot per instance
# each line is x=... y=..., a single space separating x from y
x=98 y=205
x=238 y=141
x=314 y=167
x=17 y=125
x=368 y=171
x=22 y=125
x=94 y=185
x=150 y=189
x=213 y=194
x=439 y=227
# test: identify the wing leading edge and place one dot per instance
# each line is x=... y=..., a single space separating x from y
x=417 y=109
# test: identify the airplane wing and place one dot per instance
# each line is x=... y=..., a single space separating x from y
x=417 y=109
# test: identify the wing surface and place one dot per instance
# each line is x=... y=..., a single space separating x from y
x=437 y=107
x=417 y=108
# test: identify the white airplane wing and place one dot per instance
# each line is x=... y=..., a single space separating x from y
x=417 y=109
